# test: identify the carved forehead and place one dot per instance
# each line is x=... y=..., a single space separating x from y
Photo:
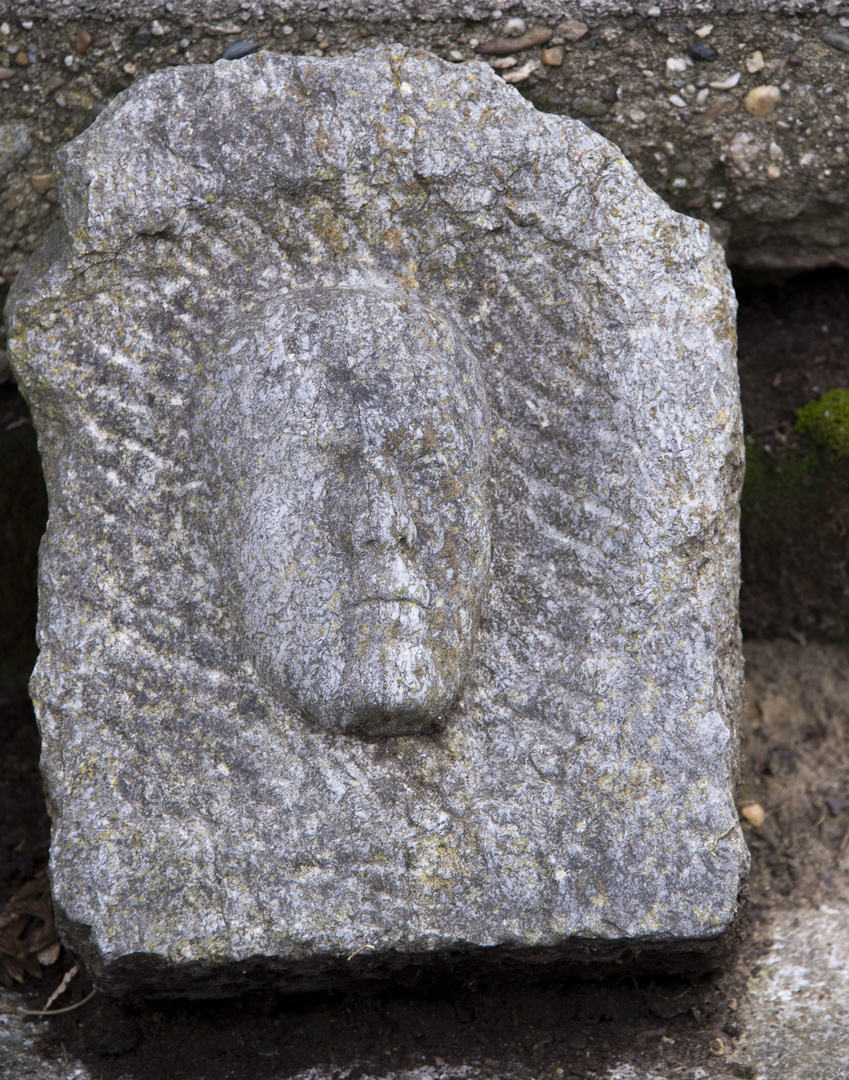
x=328 y=350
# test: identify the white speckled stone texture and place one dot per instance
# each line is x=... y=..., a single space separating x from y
x=579 y=796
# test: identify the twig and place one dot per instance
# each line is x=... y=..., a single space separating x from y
x=55 y=1012
x=60 y=989
x=674 y=997
x=362 y=948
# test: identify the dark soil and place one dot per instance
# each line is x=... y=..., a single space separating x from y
x=796 y=765
x=25 y=830
x=793 y=343
x=793 y=347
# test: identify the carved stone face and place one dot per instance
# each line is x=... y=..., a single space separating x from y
x=354 y=430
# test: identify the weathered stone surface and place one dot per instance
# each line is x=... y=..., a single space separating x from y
x=506 y=282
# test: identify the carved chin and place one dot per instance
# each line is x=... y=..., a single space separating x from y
x=384 y=677
x=389 y=690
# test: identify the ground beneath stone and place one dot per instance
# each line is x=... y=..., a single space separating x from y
x=630 y=1026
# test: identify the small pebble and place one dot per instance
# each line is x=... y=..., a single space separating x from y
x=553 y=57
x=502 y=63
x=836 y=41
x=219 y=29
x=762 y=100
x=705 y=31
x=677 y=101
x=755 y=63
x=454 y=55
x=772 y=172
x=82 y=42
x=572 y=30
x=589 y=107
x=744 y=149
x=702 y=96
x=675 y=65
x=244 y=48
x=631 y=23
x=729 y=83
x=775 y=152
x=157 y=29
x=6 y=73
x=699 y=51
x=41 y=182
x=653 y=12
x=637 y=115
x=307 y=32
x=754 y=813
x=522 y=73
x=515 y=27
x=5 y=29
x=504 y=46
x=68 y=61
x=22 y=59
x=142 y=36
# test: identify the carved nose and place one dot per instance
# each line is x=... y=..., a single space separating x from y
x=383 y=518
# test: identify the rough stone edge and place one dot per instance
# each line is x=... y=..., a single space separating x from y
x=491 y=968
x=414 y=10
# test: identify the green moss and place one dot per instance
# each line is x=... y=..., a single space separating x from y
x=826 y=423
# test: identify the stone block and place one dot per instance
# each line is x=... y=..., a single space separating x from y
x=388 y=598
